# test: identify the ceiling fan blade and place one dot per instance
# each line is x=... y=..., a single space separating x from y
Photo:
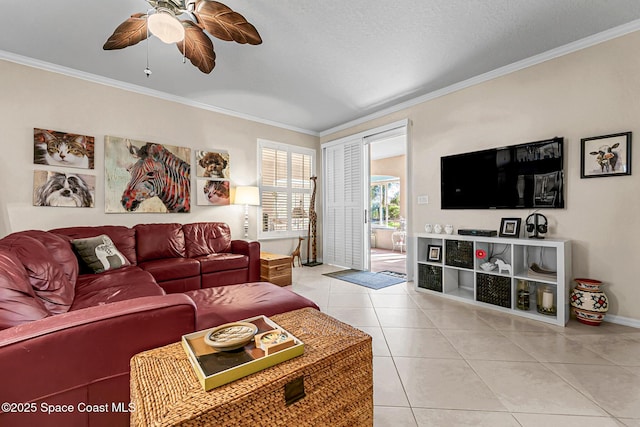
x=198 y=47
x=130 y=32
x=224 y=23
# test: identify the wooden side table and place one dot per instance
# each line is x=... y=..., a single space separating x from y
x=331 y=384
x=275 y=268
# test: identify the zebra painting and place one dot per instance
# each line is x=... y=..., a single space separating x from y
x=157 y=173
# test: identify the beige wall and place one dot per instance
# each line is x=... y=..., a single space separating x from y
x=36 y=98
x=595 y=91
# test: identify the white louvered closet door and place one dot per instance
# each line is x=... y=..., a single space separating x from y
x=344 y=224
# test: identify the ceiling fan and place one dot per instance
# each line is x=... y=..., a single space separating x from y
x=162 y=20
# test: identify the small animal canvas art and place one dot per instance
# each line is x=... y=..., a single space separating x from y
x=63 y=189
x=211 y=164
x=213 y=193
x=56 y=148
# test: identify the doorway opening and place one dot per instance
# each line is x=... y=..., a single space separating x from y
x=348 y=236
x=388 y=203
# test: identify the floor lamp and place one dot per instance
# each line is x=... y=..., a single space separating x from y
x=247 y=196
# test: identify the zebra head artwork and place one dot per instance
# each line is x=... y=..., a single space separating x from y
x=157 y=172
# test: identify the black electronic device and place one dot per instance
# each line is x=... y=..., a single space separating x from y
x=520 y=176
x=474 y=232
x=537 y=225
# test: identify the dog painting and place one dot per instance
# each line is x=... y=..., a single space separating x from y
x=63 y=189
x=213 y=193
x=211 y=164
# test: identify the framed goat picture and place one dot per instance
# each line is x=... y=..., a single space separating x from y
x=606 y=155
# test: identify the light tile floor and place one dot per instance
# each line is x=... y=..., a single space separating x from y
x=438 y=362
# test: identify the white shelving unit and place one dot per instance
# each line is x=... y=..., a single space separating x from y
x=458 y=274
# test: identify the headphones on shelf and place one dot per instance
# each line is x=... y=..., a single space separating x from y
x=537 y=226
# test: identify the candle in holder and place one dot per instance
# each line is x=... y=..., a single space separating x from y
x=546 y=300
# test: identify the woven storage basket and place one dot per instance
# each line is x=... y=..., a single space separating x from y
x=459 y=253
x=430 y=277
x=493 y=289
x=336 y=370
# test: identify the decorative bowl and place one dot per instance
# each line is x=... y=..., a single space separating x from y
x=488 y=266
x=230 y=336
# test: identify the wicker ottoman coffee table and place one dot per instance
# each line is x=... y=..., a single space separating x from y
x=335 y=370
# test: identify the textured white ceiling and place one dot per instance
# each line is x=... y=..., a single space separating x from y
x=322 y=63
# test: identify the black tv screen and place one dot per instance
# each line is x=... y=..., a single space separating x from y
x=523 y=176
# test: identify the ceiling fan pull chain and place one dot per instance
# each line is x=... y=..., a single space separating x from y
x=147 y=70
x=184 y=50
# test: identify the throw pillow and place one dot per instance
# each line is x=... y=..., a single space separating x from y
x=99 y=253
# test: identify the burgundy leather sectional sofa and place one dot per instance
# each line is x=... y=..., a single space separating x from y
x=67 y=333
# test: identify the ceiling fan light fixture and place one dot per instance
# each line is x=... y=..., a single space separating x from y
x=191 y=35
x=164 y=25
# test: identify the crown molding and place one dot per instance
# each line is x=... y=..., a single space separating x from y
x=94 y=78
x=584 y=43
x=498 y=72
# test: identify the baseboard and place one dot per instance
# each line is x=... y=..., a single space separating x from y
x=626 y=321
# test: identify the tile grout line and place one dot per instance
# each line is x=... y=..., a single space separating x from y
x=404 y=390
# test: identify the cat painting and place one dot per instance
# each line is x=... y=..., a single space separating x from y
x=213 y=193
x=62 y=149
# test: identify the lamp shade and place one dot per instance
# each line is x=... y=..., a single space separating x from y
x=247 y=196
x=166 y=27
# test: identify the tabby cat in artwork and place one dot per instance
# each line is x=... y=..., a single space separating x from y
x=60 y=149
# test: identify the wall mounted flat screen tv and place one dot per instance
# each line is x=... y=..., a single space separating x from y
x=523 y=176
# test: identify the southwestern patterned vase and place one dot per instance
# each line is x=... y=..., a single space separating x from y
x=588 y=302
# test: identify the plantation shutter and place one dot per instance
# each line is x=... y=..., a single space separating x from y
x=285 y=189
x=274 y=195
x=344 y=222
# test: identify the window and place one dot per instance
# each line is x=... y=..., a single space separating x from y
x=285 y=188
x=385 y=202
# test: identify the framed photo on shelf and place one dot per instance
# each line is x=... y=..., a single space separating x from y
x=510 y=227
x=434 y=253
x=606 y=155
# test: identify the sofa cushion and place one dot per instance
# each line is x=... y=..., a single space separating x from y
x=99 y=253
x=222 y=262
x=157 y=241
x=219 y=305
x=204 y=238
x=171 y=268
x=48 y=280
x=18 y=303
x=59 y=248
x=114 y=285
x=123 y=237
